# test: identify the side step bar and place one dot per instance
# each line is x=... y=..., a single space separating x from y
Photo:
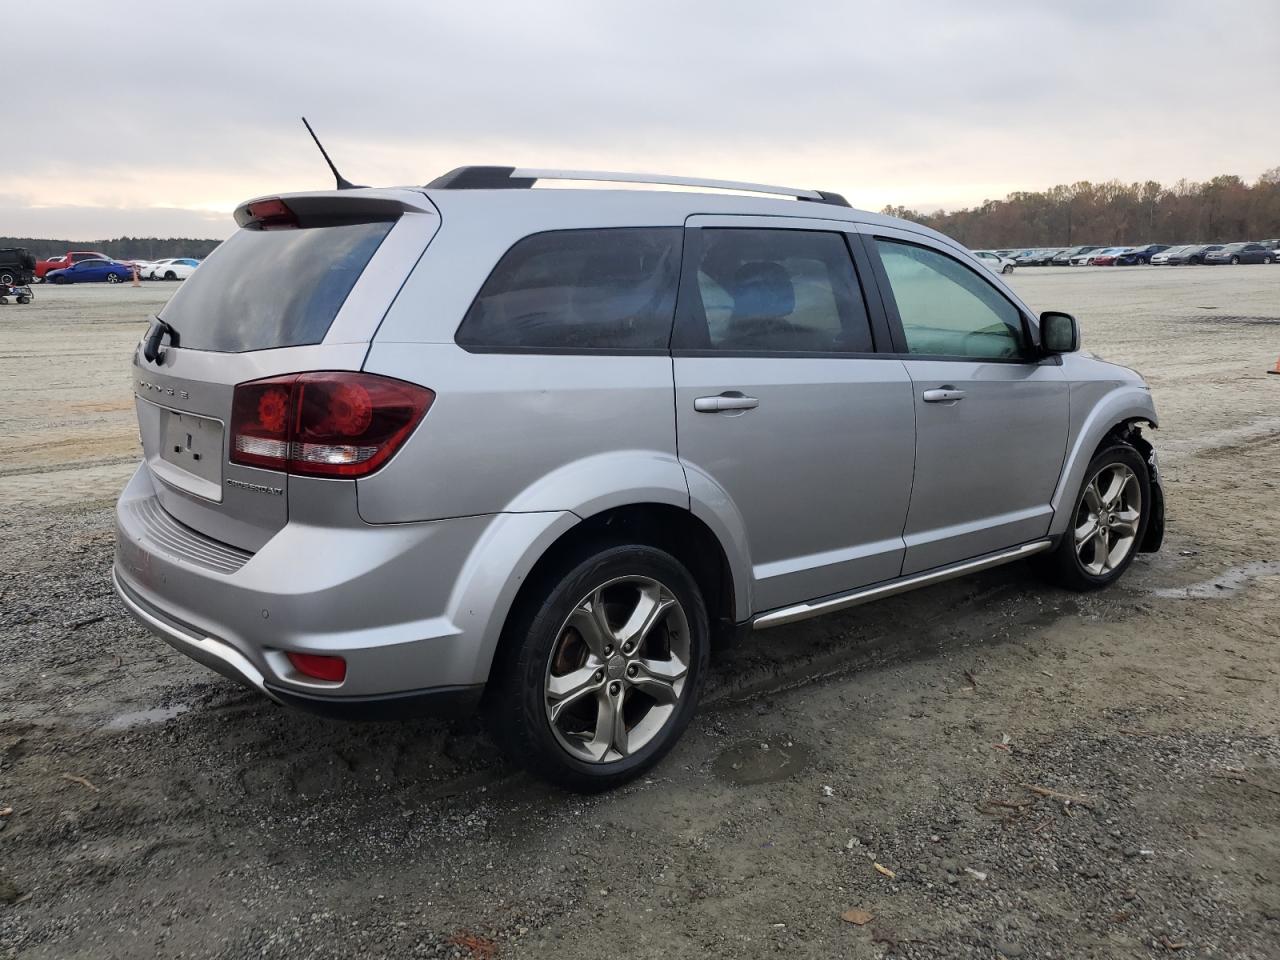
x=815 y=608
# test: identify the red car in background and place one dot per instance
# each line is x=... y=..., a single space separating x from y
x=71 y=258
x=1107 y=258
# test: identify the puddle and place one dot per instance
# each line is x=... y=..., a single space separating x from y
x=761 y=761
x=1225 y=585
x=138 y=718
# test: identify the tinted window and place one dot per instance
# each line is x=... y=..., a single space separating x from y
x=272 y=288
x=946 y=309
x=774 y=291
x=580 y=289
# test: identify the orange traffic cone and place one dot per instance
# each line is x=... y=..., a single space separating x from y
x=1276 y=368
x=135 y=276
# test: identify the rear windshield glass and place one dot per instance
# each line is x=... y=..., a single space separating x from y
x=272 y=288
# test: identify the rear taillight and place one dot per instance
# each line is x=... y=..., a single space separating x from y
x=324 y=424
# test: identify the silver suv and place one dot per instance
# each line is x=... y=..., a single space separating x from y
x=484 y=443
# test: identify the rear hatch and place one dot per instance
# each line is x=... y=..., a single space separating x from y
x=301 y=286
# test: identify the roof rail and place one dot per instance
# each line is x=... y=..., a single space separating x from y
x=522 y=178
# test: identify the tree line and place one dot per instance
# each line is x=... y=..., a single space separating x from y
x=1223 y=209
x=122 y=248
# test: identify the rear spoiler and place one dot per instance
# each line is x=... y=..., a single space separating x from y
x=330 y=208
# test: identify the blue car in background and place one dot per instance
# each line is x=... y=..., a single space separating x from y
x=1140 y=254
x=87 y=271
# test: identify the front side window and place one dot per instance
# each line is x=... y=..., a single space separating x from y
x=774 y=291
x=608 y=289
x=947 y=310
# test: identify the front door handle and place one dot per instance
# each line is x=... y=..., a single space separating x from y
x=726 y=401
x=947 y=394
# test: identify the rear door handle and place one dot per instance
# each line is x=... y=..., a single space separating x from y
x=726 y=401
x=943 y=395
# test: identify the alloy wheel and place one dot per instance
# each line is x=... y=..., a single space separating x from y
x=112 y=278
x=617 y=669
x=1106 y=523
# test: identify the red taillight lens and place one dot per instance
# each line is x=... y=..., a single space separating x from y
x=271 y=215
x=260 y=423
x=319 y=666
x=324 y=424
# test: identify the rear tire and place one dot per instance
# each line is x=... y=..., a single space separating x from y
x=1235 y=261
x=590 y=704
x=1109 y=517
x=113 y=278
x=7 y=278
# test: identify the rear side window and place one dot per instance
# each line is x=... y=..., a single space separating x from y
x=610 y=289
x=272 y=288
x=774 y=291
x=947 y=310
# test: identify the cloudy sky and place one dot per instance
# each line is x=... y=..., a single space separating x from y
x=158 y=120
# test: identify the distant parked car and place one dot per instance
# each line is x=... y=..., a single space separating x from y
x=1194 y=253
x=1108 y=257
x=91 y=271
x=1164 y=257
x=1086 y=256
x=1038 y=258
x=69 y=259
x=177 y=268
x=1138 y=255
x=1273 y=246
x=17 y=267
x=1241 y=253
x=1066 y=256
x=994 y=261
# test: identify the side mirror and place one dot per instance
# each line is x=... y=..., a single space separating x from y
x=1059 y=332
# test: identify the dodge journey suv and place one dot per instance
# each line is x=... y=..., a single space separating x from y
x=487 y=444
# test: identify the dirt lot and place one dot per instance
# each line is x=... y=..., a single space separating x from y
x=158 y=810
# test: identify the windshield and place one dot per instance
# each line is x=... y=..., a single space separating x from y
x=272 y=288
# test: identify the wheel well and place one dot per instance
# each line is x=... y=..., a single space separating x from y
x=1129 y=432
x=675 y=530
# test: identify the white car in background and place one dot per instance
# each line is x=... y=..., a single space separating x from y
x=177 y=268
x=1084 y=259
x=994 y=262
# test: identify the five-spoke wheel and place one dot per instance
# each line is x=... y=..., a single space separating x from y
x=601 y=664
x=618 y=668
x=1106 y=524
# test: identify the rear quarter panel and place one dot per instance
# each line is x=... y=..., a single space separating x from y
x=527 y=433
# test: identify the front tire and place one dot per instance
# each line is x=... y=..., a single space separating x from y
x=1109 y=518
x=6 y=279
x=170 y=275
x=1007 y=268
x=602 y=663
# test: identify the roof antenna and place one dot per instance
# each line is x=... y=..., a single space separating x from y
x=343 y=182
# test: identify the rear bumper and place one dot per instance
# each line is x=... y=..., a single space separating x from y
x=415 y=609
x=432 y=702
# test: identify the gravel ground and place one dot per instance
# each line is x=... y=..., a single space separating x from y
x=987 y=768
